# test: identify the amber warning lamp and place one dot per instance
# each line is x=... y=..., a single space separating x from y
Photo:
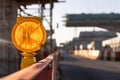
x=28 y=35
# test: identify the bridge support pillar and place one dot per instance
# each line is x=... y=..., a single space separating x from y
x=85 y=45
x=98 y=45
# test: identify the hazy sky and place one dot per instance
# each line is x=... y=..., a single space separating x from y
x=63 y=33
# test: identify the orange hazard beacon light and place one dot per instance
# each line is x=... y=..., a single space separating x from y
x=28 y=35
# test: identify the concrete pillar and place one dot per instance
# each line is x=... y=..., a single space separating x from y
x=8 y=53
x=98 y=45
x=85 y=45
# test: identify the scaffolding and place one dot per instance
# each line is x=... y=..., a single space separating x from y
x=41 y=8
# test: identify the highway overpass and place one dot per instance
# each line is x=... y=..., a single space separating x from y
x=108 y=21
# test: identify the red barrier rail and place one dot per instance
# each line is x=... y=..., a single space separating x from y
x=45 y=69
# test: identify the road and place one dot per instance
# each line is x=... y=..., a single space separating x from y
x=76 y=68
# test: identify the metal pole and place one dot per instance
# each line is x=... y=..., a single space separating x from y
x=42 y=12
x=51 y=7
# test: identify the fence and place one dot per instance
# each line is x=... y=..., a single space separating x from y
x=45 y=69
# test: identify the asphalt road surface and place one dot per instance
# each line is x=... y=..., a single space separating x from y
x=76 y=68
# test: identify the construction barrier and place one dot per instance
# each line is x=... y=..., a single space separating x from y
x=113 y=56
x=95 y=54
x=110 y=55
x=45 y=69
x=89 y=54
x=117 y=58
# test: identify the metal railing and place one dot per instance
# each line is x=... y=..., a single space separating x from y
x=45 y=69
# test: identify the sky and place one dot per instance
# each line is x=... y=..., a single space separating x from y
x=63 y=33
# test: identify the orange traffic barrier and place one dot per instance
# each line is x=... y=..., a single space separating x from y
x=102 y=55
x=117 y=56
x=43 y=70
x=108 y=55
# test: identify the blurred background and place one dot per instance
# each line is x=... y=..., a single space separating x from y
x=87 y=29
